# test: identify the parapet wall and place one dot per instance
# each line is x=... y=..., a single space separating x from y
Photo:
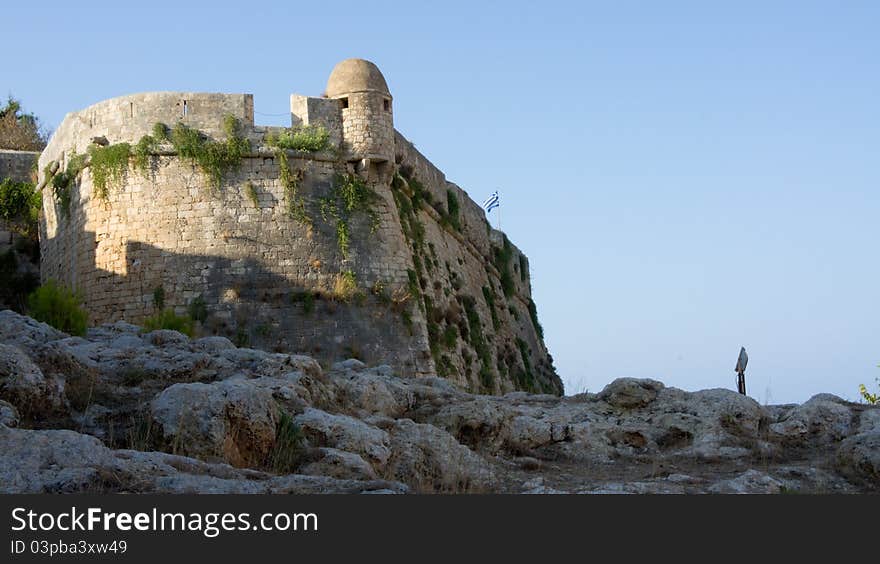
x=127 y=118
x=266 y=278
x=17 y=165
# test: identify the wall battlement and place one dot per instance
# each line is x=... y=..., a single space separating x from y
x=422 y=282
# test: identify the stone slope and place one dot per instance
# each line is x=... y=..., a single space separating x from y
x=123 y=410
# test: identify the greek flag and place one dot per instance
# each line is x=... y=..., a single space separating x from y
x=492 y=202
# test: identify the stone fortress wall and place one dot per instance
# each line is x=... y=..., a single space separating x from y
x=17 y=165
x=431 y=303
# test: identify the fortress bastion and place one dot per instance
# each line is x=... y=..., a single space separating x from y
x=359 y=247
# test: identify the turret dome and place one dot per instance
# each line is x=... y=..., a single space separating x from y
x=355 y=75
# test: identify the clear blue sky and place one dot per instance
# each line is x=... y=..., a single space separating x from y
x=685 y=177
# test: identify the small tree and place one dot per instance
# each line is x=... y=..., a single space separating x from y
x=20 y=131
x=20 y=206
x=873 y=399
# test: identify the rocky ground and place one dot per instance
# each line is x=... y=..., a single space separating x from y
x=125 y=411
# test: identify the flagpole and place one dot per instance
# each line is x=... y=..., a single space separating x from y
x=499 y=210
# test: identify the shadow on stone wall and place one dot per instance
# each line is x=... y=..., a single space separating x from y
x=249 y=304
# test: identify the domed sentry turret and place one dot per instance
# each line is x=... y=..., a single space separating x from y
x=367 y=119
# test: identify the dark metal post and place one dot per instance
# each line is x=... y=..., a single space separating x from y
x=740 y=369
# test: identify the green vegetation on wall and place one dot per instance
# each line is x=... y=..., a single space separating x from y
x=489 y=296
x=251 y=192
x=214 y=158
x=420 y=194
x=296 y=205
x=349 y=195
x=63 y=182
x=108 y=166
x=109 y=163
x=306 y=298
x=147 y=147
x=345 y=288
x=450 y=217
x=533 y=313
x=304 y=138
x=450 y=336
x=501 y=261
x=410 y=195
x=453 y=215
x=525 y=378
x=414 y=288
x=478 y=342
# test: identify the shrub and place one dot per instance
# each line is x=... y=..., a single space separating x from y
x=160 y=132
x=263 y=330
x=287 y=451
x=167 y=319
x=20 y=206
x=306 y=298
x=487 y=378
x=242 y=337
x=345 y=288
x=450 y=336
x=141 y=433
x=873 y=399
x=380 y=292
x=159 y=297
x=59 y=307
x=406 y=317
x=198 y=309
x=307 y=138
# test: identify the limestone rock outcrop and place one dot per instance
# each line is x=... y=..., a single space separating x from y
x=125 y=410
